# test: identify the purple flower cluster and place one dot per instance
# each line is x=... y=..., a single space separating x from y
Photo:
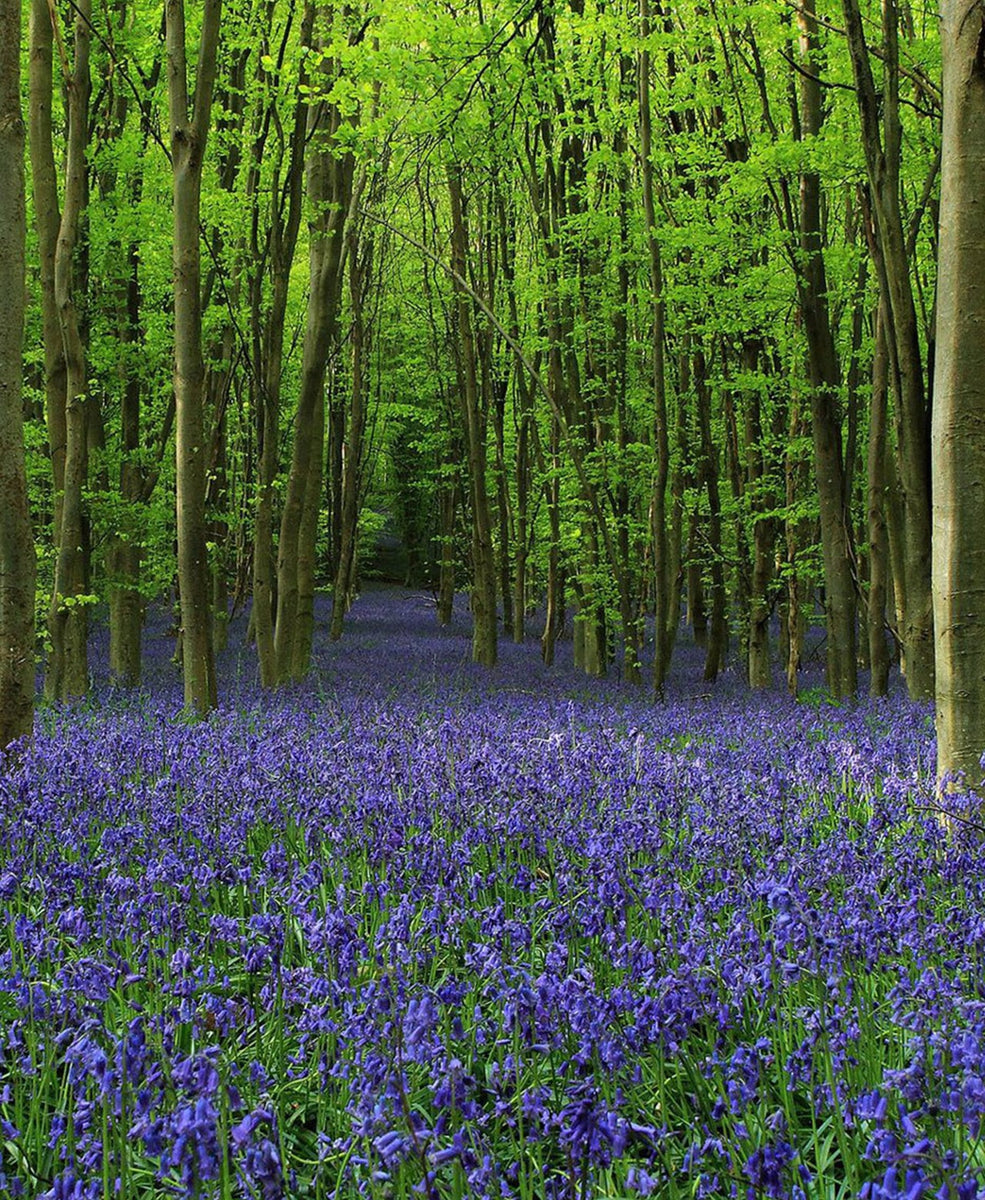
x=416 y=929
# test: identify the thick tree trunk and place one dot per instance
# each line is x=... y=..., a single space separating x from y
x=959 y=404
x=484 y=631
x=67 y=673
x=188 y=138
x=17 y=562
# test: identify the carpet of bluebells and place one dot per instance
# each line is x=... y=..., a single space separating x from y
x=416 y=929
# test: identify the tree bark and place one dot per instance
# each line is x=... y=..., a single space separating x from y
x=484 y=633
x=959 y=405
x=188 y=140
x=360 y=270
x=330 y=191
x=124 y=555
x=662 y=585
x=878 y=549
x=882 y=143
x=825 y=381
x=285 y=224
x=17 y=561
x=46 y=221
x=67 y=672
x=718 y=630
x=763 y=532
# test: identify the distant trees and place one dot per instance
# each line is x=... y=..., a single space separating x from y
x=623 y=310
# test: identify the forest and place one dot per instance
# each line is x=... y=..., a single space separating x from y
x=492 y=598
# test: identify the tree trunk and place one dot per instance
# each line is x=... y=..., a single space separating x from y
x=878 y=549
x=554 y=614
x=718 y=631
x=68 y=669
x=825 y=383
x=285 y=224
x=188 y=139
x=795 y=472
x=17 y=562
x=763 y=532
x=330 y=191
x=959 y=405
x=474 y=417
x=47 y=220
x=448 y=503
x=360 y=268
x=663 y=579
x=126 y=604
x=522 y=508
x=882 y=143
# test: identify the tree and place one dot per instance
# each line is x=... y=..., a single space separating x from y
x=882 y=142
x=68 y=671
x=958 y=439
x=189 y=129
x=17 y=562
x=330 y=170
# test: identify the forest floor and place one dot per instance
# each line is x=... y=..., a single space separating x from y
x=416 y=928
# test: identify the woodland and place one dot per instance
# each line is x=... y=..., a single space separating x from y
x=599 y=309
x=492 y=599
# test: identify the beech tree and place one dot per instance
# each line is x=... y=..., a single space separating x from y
x=959 y=404
x=189 y=130
x=16 y=542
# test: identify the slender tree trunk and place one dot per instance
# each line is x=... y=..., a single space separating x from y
x=959 y=405
x=189 y=130
x=484 y=638
x=448 y=504
x=360 y=269
x=285 y=224
x=763 y=533
x=68 y=668
x=124 y=556
x=522 y=508
x=740 y=595
x=503 y=507
x=330 y=175
x=878 y=549
x=718 y=632
x=307 y=561
x=554 y=614
x=47 y=220
x=663 y=579
x=825 y=382
x=882 y=143
x=795 y=472
x=17 y=562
